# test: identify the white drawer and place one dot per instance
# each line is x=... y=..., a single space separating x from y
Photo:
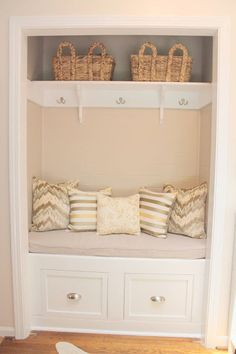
x=163 y=297
x=81 y=294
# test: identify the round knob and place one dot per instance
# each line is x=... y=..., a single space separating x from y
x=157 y=299
x=73 y=297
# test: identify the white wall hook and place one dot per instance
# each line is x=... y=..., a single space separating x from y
x=61 y=100
x=183 y=102
x=121 y=100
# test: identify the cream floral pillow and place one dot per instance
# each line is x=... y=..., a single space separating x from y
x=118 y=215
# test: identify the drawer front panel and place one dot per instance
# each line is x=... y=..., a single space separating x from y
x=83 y=294
x=158 y=297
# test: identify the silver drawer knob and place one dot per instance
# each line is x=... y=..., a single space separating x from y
x=157 y=299
x=73 y=297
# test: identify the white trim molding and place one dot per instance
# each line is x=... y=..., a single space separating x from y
x=20 y=28
x=7 y=332
x=116 y=332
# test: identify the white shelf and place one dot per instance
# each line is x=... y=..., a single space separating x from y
x=120 y=94
x=107 y=94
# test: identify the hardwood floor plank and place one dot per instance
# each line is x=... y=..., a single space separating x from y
x=44 y=343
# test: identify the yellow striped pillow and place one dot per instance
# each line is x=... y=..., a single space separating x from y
x=83 y=209
x=155 y=209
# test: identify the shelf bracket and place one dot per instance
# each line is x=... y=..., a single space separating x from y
x=162 y=104
x=79 y=103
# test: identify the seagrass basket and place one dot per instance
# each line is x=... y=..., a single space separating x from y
x=64 y=65
x=94 y=67
x=82 y=67
x=146 y=67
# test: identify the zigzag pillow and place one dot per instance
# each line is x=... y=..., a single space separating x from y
x=188 y=214
x=51 y=205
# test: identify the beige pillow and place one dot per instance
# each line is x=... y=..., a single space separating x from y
x=118 y=215
x=50 y=205
x=155 y=209
x=188 y=214
x=83 y=209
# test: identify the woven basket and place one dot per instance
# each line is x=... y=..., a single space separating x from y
x=83 y=67
x=94 y=67
x=64 y=65
x=161 y=67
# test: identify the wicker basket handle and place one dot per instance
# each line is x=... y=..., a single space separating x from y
x=148 y=45
x=97 y=45
x=141 y=60
x=59 y=54
x=170 y=61
x=63 y=45
x=90 y=59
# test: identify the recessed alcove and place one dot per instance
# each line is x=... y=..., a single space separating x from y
x=42 y=49
x=207 y=40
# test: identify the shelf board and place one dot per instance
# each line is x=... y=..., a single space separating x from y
x=120 y=94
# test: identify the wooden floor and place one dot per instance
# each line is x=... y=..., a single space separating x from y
x=44 y=343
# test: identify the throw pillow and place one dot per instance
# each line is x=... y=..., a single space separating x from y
x=188 y=215
x=50 y=205
x=83 y=209
x=118 y=215
x=155 y=209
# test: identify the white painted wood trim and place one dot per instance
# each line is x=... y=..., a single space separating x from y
x=232 y=347
x=18 y=180
x=32 y=25
x=7 y=332
x=109 y=94
x=216 y=266
x=128 y=333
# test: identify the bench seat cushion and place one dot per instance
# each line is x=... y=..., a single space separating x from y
x=91 y=244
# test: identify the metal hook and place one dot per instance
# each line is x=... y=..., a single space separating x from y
x=121 y=100
x=61 y=100
x=183 y=102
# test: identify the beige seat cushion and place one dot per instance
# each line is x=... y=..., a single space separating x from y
x=91 y=244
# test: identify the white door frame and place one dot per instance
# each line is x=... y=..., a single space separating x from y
x=20 y=28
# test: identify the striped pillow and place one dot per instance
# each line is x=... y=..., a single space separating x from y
x=155 y=209
x=83 y=209
x=50 y=210
x=188 y=215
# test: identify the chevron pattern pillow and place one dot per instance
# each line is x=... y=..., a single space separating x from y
x=188 y=214
x=50 y=205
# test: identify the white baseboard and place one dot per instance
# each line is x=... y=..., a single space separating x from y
x=222 y=342
x=127 y=333
x=7 y=332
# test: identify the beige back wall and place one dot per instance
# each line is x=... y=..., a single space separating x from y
x=101 y=7
x=121 y=148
